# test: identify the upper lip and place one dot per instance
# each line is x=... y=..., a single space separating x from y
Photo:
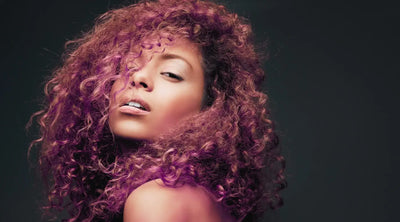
x=137 y=100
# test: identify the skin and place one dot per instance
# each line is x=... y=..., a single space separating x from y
x=154 y=202
x=172 y=85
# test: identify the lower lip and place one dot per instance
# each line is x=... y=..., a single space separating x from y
x=132 y=110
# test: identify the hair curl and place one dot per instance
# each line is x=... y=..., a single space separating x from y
x=230 y=147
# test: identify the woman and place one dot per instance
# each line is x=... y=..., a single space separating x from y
x=157 y=115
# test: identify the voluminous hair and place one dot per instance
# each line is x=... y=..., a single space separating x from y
x=230 y=147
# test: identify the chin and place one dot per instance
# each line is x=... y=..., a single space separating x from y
x=131 y=131
x=134 y=135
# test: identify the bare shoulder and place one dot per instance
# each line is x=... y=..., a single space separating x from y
x=153 y=201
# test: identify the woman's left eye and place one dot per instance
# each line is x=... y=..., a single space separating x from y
x=172 y=75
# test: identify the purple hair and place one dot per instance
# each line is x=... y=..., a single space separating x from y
x=230 y=147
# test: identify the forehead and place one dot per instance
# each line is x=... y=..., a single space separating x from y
x=183 y=48
x=159 y=48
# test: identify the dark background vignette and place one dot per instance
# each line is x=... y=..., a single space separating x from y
x=332 y=78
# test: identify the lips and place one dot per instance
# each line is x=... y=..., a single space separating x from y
x=137 y=104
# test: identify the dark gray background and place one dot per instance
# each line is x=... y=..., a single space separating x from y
x=332 y=80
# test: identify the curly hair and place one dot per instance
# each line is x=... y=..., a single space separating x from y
x=230 y=147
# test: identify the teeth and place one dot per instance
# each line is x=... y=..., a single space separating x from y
x=137 y=105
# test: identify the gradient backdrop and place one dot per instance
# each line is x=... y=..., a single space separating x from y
x=332 y=79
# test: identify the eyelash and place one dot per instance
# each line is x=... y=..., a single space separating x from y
x=172 y=75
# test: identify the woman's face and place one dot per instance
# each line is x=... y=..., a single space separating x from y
x=169 y=87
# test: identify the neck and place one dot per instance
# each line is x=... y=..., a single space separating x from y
x=128 y=145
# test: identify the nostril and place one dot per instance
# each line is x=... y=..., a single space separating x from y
x=144 y=84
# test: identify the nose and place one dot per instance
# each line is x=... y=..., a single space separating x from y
x=142 y=79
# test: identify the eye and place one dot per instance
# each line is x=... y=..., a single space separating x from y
x=172 y=75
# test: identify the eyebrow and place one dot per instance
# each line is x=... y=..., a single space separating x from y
x=166 y=56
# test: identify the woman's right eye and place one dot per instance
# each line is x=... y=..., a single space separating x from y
x=172 y=75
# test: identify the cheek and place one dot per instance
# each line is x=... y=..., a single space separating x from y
x=117 y=91
x=115 y=87
x=179 y=105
